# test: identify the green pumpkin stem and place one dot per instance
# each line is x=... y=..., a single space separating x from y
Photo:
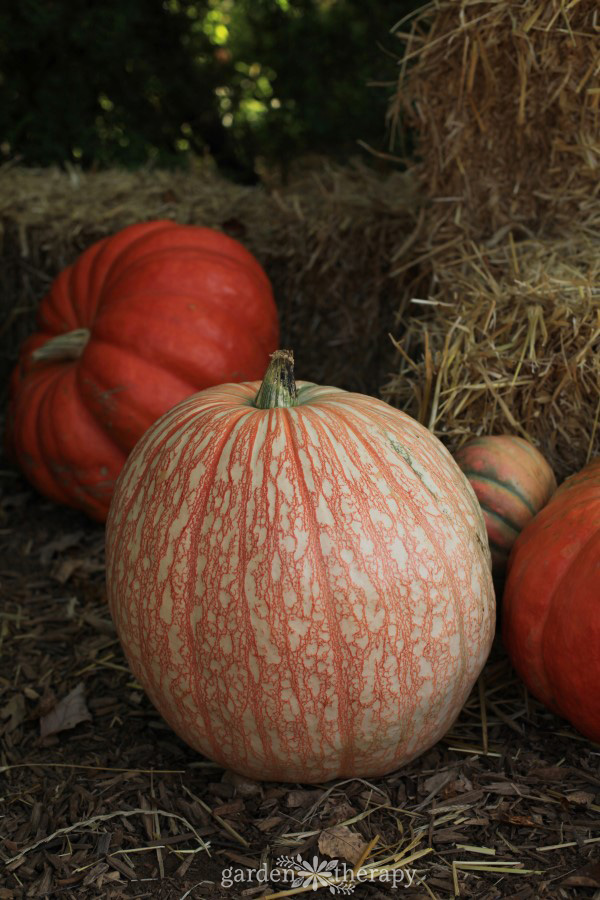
x=278 y=389
x=64 y=346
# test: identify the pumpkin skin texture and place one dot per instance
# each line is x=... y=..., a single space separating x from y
x=303 y=592
x=551 y=603
x=169 y=310
x=512 y=481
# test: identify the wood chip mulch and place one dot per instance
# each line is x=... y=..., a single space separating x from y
x=100 y=799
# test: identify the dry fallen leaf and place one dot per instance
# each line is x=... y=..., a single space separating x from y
x=589 y=876
x=59 y=545
x=245 y=787
x=580 y=798
x=435 y=782
x=337 y=811
x=297 y=798
x=100 y=623
x=268 y=824
x=340 y=842
x=66 y=568
x=549 y=773
x=14 y=711
x=524 y=821
x=67 y=713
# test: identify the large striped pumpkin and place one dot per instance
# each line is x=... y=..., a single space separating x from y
x=300 y=579
x=512 y=481
x=551 y=602
x=142 y=319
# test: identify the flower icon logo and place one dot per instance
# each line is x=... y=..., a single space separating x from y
x=316 y=874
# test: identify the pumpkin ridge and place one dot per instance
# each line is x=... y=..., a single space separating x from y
x=273 y=543
x=197 y=249
x=530 y=448
x=254 y=699
x=493 y=479
x=161 y=225
x=117 y=296
x=81 y=295
x=68 y=296
x=91 y=412
x=78 y=286
x=180 y=425
x=496 y=515
x=235 y=252
x=421 y=519
x=198 y=512
x=55 y=313
x=546 y=657
x=177 y=367
x=121 y=345
x=51 y=426
x=82 y=315
x=32 y=455
x=45 y=424
x=189 y=591
x=344 y=720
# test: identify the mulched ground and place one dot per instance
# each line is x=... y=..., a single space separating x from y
x=109 y=803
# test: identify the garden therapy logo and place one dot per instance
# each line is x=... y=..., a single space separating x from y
x=314 y=874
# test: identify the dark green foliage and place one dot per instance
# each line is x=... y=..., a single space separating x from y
x=103 y=82
x=316 y=61
x=127 y=82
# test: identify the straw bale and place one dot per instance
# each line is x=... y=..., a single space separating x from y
x=325 y=240
x=504 y=98
x=508 y=340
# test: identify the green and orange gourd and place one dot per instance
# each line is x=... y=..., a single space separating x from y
x=512 y=480
x=141 y=320
x=300 y=578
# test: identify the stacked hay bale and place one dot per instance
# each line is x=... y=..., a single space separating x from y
x=505 y=98
x=512 y=344
x=505 y=331
x=325 y=240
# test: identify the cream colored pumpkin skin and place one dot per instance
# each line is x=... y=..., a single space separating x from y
x=304 y=593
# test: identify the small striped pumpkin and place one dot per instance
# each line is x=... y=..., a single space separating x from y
x=512 y=481
x=300 y=579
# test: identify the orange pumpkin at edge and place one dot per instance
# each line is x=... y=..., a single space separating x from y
x=551 y=602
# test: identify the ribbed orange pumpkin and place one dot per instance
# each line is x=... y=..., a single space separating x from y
x=551 y=603
x=300 y=581
x=512 y=481
x=141 y=320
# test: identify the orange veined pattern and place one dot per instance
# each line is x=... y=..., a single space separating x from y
x=304 y=593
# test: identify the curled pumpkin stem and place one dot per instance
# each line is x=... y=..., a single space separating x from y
x=278 y=389
x=64 y=346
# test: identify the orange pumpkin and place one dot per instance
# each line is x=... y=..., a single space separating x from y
x=141 y=320
x=300 y=579
x=512 y=481
x=551 y=603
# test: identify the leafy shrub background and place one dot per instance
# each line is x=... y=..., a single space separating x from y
x=251 y=82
